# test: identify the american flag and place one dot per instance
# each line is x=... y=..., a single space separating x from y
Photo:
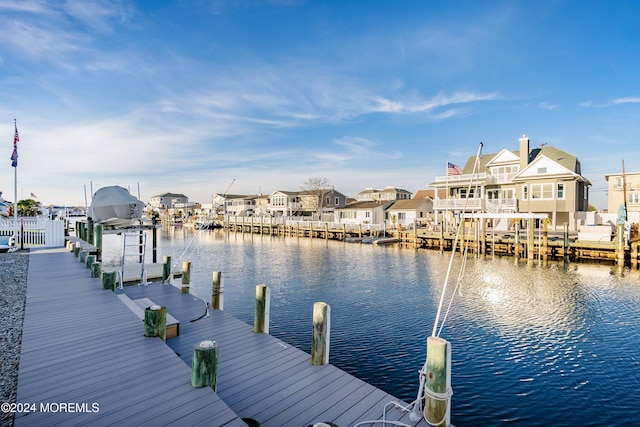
x=453 y=169
x=14 y=155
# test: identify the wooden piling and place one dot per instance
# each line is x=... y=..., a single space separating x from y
x=155 y=322
x=634 y=255
x=90 y=260
x=97 y=237
x=545 y=241
x=96 y=269
x=204 y=365
x=82 y=256
x=437 y=408
x=186 y=277
x=262 y=311
x=321 y=333
x=217 y=296
x=166 y=269
x=620 y=246
x=110 y=280
x=565 y=245
x=530 y=240
x=516 y=248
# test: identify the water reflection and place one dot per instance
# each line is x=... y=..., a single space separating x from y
x=531 y=345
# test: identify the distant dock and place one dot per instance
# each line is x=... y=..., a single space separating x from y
x=85 y=361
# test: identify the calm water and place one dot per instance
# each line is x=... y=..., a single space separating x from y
x=531 y=346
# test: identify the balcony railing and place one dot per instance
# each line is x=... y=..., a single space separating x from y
x=492 y=206
x=466 y=177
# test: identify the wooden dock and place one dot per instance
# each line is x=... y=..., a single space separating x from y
x=82 y=345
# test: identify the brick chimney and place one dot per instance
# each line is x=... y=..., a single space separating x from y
x=524 y=151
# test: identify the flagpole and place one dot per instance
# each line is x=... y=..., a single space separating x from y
x=446 y=194
x=15 y=188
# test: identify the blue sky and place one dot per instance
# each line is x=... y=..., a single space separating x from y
x=185 y=96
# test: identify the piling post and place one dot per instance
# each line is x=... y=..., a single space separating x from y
x=90 y=231
x=545 y=241
x=109 y=280
x=483 y=237
x=565 y=245
x=186 y=277
x=620 y=246
x=437 y=408
x=634 y=255
x=76 y=249
x=217 y=296
x=154 y=244
x=90 y=260
x=530 y=240
x=321 y=333
x=204 y=365
x=96 y=269
x=442 y=237
x=155 y=322
x=97 y=240
x=82 y=256
x=516 y=248
x=261 y=316
x=326 y=231
x=166 y=269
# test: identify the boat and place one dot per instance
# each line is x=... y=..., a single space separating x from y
x=207 y=224
x=115 y=207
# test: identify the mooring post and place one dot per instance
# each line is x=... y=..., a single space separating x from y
x=204 y=365
x=155 y=322
x=321 y=333
x=530 y=240
x=90 y=231
x=96 y=269
x=109 y=280
x=437 y=408
x=154 y=244
x=217 y=292
x=516 y=248
x=261 y=316
x=186 y=277
x=634 y=255
x=82 y=256
x=620 y=247
x=545 y=241
x=76 y=249
x=565 y=250
x=166 y=269
x=97 y=237
x=90 y=260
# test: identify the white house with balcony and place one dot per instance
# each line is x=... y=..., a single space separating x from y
x=386 y=194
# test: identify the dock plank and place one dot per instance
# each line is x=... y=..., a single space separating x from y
x=82 y=345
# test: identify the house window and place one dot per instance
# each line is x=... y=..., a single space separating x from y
x=367 y=214
x=619 y=182
x=634 y=198
x=542 y=191
x=402 y=216
x=560 y=191
x=337 y=202
x=525 y=192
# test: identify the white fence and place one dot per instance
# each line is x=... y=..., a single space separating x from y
x=34 y=232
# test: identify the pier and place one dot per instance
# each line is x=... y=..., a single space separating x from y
x=530 y=243
x=86 y=361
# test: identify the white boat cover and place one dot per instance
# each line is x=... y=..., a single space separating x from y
x=114 y=206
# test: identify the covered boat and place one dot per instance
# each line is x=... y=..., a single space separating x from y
x=114 y=206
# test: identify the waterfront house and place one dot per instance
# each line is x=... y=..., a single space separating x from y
x=542 y=180
x=167 y=200
x=623 y=191
x=240 y=205
x=405 y=213
x=386 y=194
x=284 y=203
x=363 y=212
x=317 y=204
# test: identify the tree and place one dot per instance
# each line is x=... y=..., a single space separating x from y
x=315 y=189
x=27 y=207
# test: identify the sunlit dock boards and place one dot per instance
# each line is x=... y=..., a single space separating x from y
x=82 y=345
